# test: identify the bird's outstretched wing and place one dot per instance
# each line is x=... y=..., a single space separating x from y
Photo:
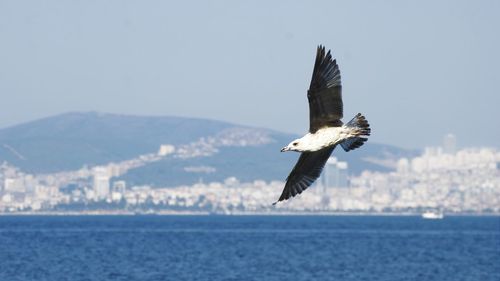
x=305 y=172
x=325 y=93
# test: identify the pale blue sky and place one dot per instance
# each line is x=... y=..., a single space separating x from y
x=416 y=69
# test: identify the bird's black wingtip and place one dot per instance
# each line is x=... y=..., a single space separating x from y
x=322 y=50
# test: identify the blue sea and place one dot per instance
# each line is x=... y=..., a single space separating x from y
x=249 y=248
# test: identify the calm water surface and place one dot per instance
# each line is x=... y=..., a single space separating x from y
x=249 y=248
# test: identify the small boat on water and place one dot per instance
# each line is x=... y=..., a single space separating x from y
x=432 y=215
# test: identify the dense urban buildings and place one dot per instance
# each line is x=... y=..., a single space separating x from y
x=444 y=178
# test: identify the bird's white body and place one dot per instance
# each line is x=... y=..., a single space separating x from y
x=320 y=139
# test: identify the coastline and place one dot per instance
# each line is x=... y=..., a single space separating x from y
x=204 y=213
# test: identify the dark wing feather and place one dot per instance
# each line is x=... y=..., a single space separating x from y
x=305 y=172
x=325 y=93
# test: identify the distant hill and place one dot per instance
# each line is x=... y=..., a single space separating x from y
x=72 y=140
x=68 y=141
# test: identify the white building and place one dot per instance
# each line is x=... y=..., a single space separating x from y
x=403 y=166
x=166 y=149
x=101 y=183
x=118 y=190
x=334 y=174
x=449 y=144
x=14 y=185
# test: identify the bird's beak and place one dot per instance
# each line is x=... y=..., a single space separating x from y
x=284 y=149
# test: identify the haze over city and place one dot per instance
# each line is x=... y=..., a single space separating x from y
x=417 y=70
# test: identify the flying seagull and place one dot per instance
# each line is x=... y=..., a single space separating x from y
x=326 y=130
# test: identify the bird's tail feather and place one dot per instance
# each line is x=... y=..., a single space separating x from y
x=360 y=128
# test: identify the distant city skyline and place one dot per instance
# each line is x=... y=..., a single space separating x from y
x=463 y=181
x=417 y=70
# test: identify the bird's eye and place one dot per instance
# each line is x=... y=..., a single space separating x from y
x=295 y=143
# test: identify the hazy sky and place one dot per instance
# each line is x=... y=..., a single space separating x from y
x=416 y=69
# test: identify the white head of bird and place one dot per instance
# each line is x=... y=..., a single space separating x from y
x=298 y=145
